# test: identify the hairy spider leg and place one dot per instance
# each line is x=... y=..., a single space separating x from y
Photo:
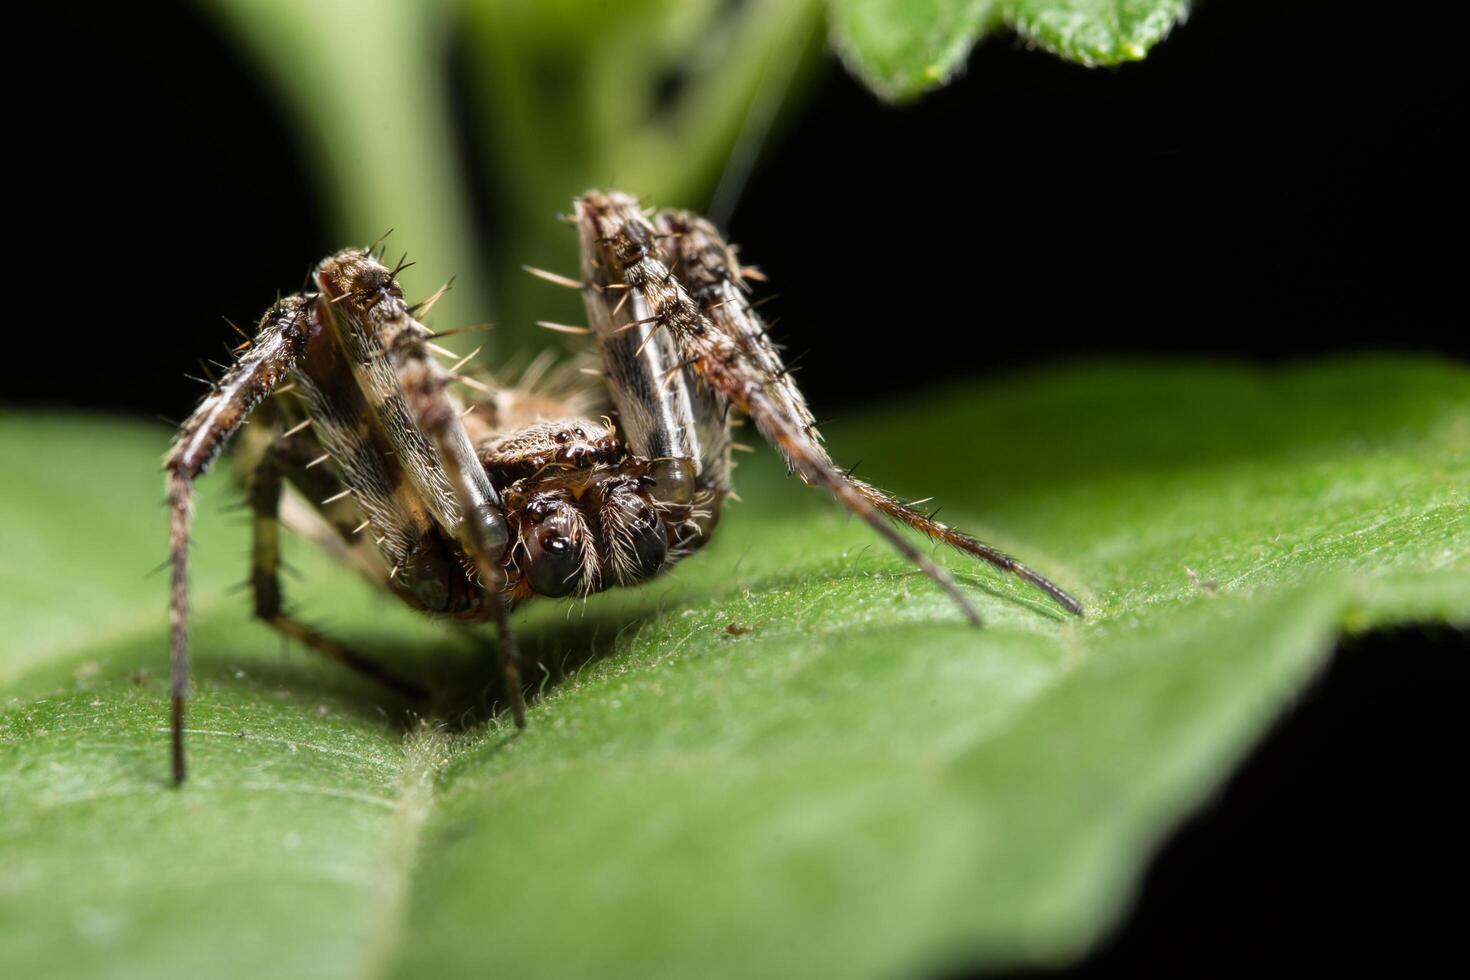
x=279 y=344
x=709 y=268
x=484 y=532
x=316 y=511
x=663 y=410
x=264 y=497
x=388 y=351
x=625 y=251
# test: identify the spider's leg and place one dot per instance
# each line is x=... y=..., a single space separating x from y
x=482 y=528
x=619 y=248
x=365 y=306
x=279 y=343
x=734 y=359
x=715 y=280
x=316 y=511
x=265 y=579
x=663 y=411
x=664 y=414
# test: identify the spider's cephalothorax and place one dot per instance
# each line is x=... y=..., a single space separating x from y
x=465 y=499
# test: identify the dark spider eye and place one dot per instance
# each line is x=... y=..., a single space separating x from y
x=581 y=434
x=555 y=566
x=563 y=436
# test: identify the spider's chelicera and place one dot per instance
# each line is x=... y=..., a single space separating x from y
x=467 y=504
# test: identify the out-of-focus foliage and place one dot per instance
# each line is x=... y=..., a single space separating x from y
x=668 y=99
x=901 y=48
x=851 y=782
x=659 y=97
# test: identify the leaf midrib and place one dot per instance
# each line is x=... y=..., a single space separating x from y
x=425 y=752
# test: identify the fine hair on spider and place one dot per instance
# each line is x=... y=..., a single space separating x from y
x=464 y=498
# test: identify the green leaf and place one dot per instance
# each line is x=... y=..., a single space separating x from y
x=859 y=785
x=1095 y=32
x=362 y=79
x=660 y=97
x=901 y=48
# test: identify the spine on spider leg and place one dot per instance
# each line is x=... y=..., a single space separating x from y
x=278 y=345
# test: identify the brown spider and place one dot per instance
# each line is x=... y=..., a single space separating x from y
x=475 y=507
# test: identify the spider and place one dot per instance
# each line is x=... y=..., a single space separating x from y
x=475 y=502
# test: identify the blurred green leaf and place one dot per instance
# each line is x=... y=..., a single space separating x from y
x=1095 y=32
x=661 y=98
x=366 y=83
x=658 y=97
x=902 y=48
x=858 y=786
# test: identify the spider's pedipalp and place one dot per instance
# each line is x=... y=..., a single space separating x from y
x=634 y=532
x=557 y=539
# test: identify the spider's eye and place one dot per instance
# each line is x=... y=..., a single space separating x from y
x=581 y=434
x=563 y=436
x=555 y=566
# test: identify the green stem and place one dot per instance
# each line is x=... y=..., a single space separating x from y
x=362 y=80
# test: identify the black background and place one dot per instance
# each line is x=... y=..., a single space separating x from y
x=1276 y=180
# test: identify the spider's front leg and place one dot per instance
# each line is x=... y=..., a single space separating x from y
x=717 y=282
x=666 y=414
x=719 y=338
x=279 y=344
x=366 y=307
x=620 y=252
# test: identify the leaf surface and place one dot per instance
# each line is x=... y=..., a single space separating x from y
x=848 y=782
